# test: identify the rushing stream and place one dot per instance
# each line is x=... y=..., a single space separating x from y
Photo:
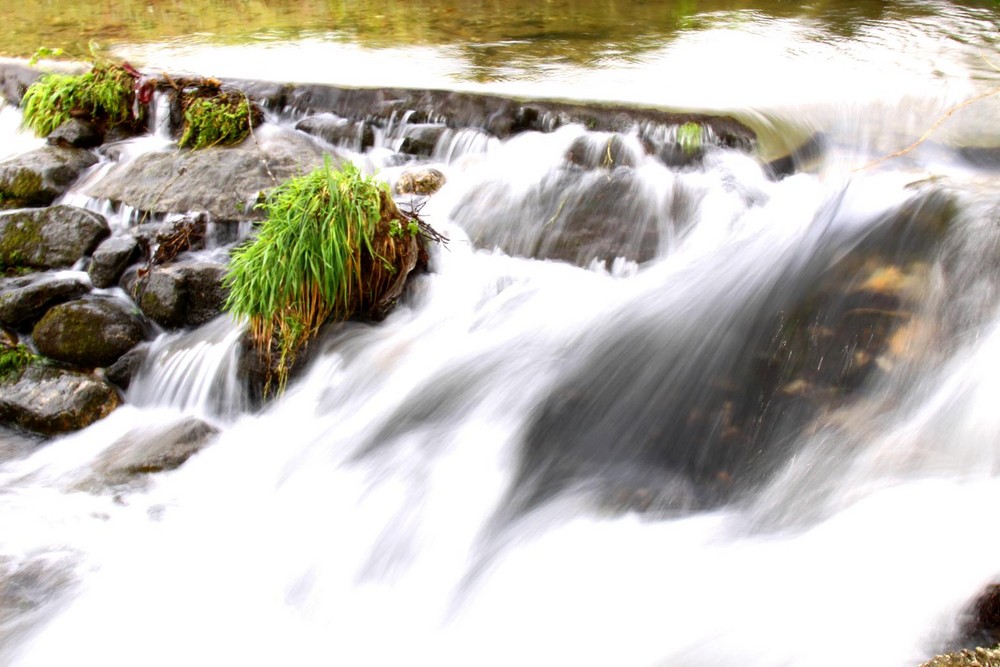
x=538 y=462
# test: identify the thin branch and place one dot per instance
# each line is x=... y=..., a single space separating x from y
x=948 y=114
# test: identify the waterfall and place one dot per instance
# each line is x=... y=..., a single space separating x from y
x=636 y=412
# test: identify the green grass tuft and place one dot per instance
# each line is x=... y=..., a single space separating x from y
x=330 y=247
x=105 y=93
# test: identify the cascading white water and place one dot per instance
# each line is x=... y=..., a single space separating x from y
x=364 y=518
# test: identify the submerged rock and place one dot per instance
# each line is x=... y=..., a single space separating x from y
x=36 y=178
x=90 y=332
x=49 y=238
x=150 y=450
x=50 y=400
x=587 y=215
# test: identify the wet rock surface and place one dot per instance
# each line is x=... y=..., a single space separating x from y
x=50 y=400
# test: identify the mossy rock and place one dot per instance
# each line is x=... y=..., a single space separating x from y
x=50 y=238
x=91 y=333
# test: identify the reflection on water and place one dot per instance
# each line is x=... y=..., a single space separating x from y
x=494 y=40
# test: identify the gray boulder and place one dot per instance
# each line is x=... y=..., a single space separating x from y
x=110 y=260
x=53 y=400
x=23 y=301
x=223 y=182
x=182 y=295
x=36 y=178
x=90 y=332
x=49 y=238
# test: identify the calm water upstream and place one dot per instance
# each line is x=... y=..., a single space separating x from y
x=540 y=463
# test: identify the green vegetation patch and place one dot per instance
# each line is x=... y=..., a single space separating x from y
x=223 y=119
x=689 y=137
x=333 y=245
x=13 y=360
x=104 y=94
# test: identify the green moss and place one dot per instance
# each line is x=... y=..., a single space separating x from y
x=221 y=120
x=16 y=240
x=689 y=137
x=105 y=94
x=24 y=186
x=13 y=360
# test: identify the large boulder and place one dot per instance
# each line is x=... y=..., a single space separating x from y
x=24 y=300
x=37 y=177
x=53 y=400
x=90 y=332
x=222 y=182
x=49 y=238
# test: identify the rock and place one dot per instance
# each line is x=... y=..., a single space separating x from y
x=50 y=400
x=800 y=157
x=36 y=178
x=977 y=657
x=76 y=133
x=588 y=215
x=420 y=181
x=111 y=258
x=49 y=238
x=222 y=182
x=182 y=295
x=149 y=450
x=122 y=371
x=592 y=151
x=421 y=139
x=23 y=301
x=90 y=332
x=356 y=135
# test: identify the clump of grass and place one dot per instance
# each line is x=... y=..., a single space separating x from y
x=14 y=359
x=689 y=137
x=222 y=119
x=333 y=245
x=105 y=94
